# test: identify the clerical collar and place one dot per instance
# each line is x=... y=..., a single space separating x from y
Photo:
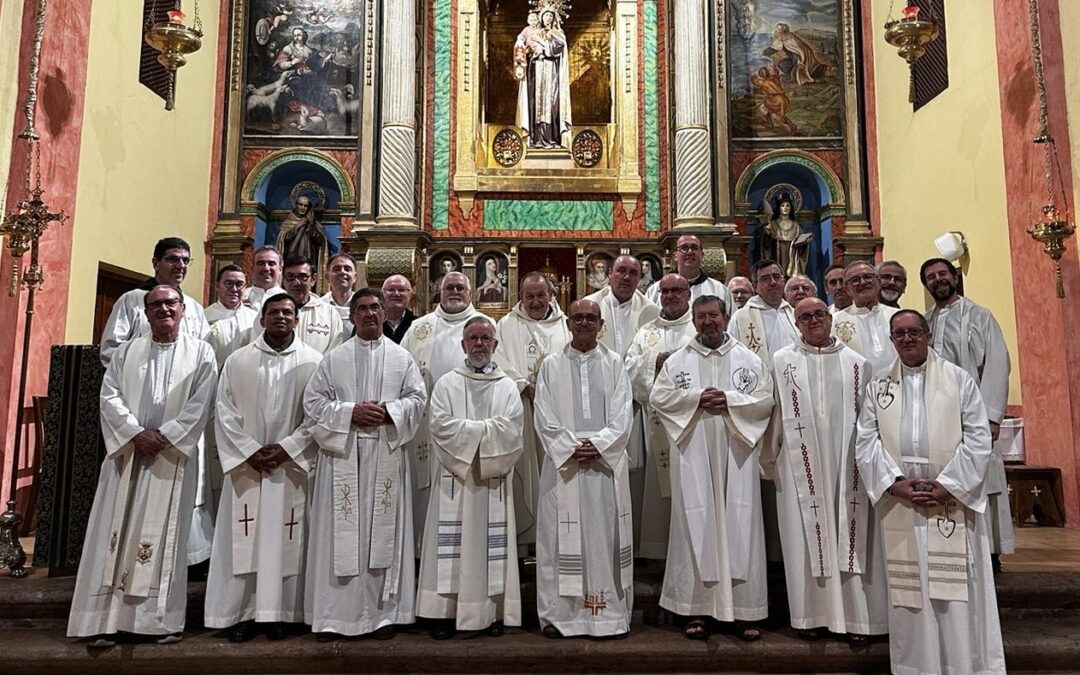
x=486 y=370
x=282 y=347
x=698 y=280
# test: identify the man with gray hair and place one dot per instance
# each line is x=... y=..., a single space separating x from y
x=892 y=278
x=799 y=287
x=741 y=290
x=434 y=340
x=399 y=292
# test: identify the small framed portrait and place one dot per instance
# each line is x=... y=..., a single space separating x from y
x=492 y=280
x=651 y=270
x=439 y=265
x=597 y=267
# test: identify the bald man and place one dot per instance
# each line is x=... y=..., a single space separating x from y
x=398 y=291
x=689 y=255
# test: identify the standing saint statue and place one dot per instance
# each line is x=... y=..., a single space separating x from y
x=301 y=234
x=782 y=239
x=542 y=67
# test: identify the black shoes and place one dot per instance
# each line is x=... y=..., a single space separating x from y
x=242 y=632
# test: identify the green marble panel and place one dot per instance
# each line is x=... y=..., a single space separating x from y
x=537 y=214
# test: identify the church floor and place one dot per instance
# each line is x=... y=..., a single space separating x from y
x=1044 y=549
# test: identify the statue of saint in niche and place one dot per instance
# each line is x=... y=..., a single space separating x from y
x=542 y=67
x=782 y=239
x=301 y=233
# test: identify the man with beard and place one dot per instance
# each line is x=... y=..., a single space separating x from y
x=798 y=288
x=398 y=291
x=341 y=275
x=741 y=290
x=318 y=325
x=864 y=326
x=714 y=398
x=893 y=280
x=624 y=308
x=923 y=448
x=532 y=331
x=267 y=281
x=652 y=345
x=968 y=335
x=584 y=544
x=688 y=258
x=157 y=391
x=266 y=451
x=434 y=340
x=834 y=286
x=767 y=322
x=128 y=319
x=834 y=562
x=468 y=578
x=364 y=403
x=230 y=320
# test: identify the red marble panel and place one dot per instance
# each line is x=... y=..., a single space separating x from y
x=1049 y=346
x=870 y=115
x=61 y=97
x=216 y=149
x=662 y=60
x=250 y=158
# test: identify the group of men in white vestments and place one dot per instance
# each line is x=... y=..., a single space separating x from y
x=699 y=431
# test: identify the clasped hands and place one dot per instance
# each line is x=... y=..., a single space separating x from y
x=586 y=452
x=920 y=491
x=149 y=442
x=369 y=414
x=268 y=458
x=713 y=401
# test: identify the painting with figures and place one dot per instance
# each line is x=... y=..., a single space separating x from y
x=303 y=68
x=785 y=67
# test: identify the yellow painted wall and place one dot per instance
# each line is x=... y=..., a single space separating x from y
x=11 y=15
x=1070 y=19
x=144 y=173
x=942 y=169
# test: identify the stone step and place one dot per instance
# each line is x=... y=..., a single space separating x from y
x=39 y=646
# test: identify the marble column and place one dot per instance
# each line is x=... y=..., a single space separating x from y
x=693 y=151
x=397 y=154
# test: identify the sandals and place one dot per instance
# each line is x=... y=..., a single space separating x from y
x=747 y=632
x=695 y=629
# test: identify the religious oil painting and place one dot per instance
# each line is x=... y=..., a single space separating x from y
x=785 y=69
x=303 y=68
x=492 y=280
x=440 y=265
x=651 y=270
x=597 y=267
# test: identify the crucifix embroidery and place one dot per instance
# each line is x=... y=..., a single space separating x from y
x=422 y=453
x=345 y=502
x=815 y=507
x=453 y=483
x=568 y=522
x=596 y=602
x=682 y=380
x=292 y=522
x=789 y=376
x=800 y=428
x=245 y=520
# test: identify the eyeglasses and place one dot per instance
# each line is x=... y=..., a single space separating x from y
x=861 y=279
x=297 y=277
x=177 y=260
x=688 y=248
x=456 y=288
x=485 y=339
x=158 y=304
x=892 y=277
x=910 y=333
x=674 y=290
x=819 y=315
x=233 y=284
x=584 y=318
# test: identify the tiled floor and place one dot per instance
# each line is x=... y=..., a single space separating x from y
x=1044 y=549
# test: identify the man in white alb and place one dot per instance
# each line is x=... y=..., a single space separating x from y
x=834 y=562
x=266 y=451
x=341 y=275
x=468 y=573
x=318 y=325
x=688 y=257
x=864 y=326
x=364 y=403
x=836 y=289
x=434 y=340
x=923 y=448
x=584 y=541
x=652 y=345
x=766 y=323
x=267 y=280
x=714 y=398
x=799 y=287
x=230 y=320
x=968 y=335
x=529 y=333
x=399 y=292
x=741 y=291
x=155 y=397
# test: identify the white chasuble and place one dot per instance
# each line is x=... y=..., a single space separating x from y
x=318 y=325
x=764 y=330
x=929 y=422
x=230 y=329
x=133 y=571
x=434 y=340
x=256 y=570
x=867 y=332
x=716 y=551
x=652 y=512
x=466 y=569
x=833 y=555
x=584 y=544
x=524 y=343
x=360 y=572
x=622 y=319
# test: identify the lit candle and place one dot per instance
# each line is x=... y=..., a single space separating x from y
x=176 y=16
x=911 y=13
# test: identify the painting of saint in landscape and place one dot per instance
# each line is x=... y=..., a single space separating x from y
x=785 y=63
x=303 y=68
